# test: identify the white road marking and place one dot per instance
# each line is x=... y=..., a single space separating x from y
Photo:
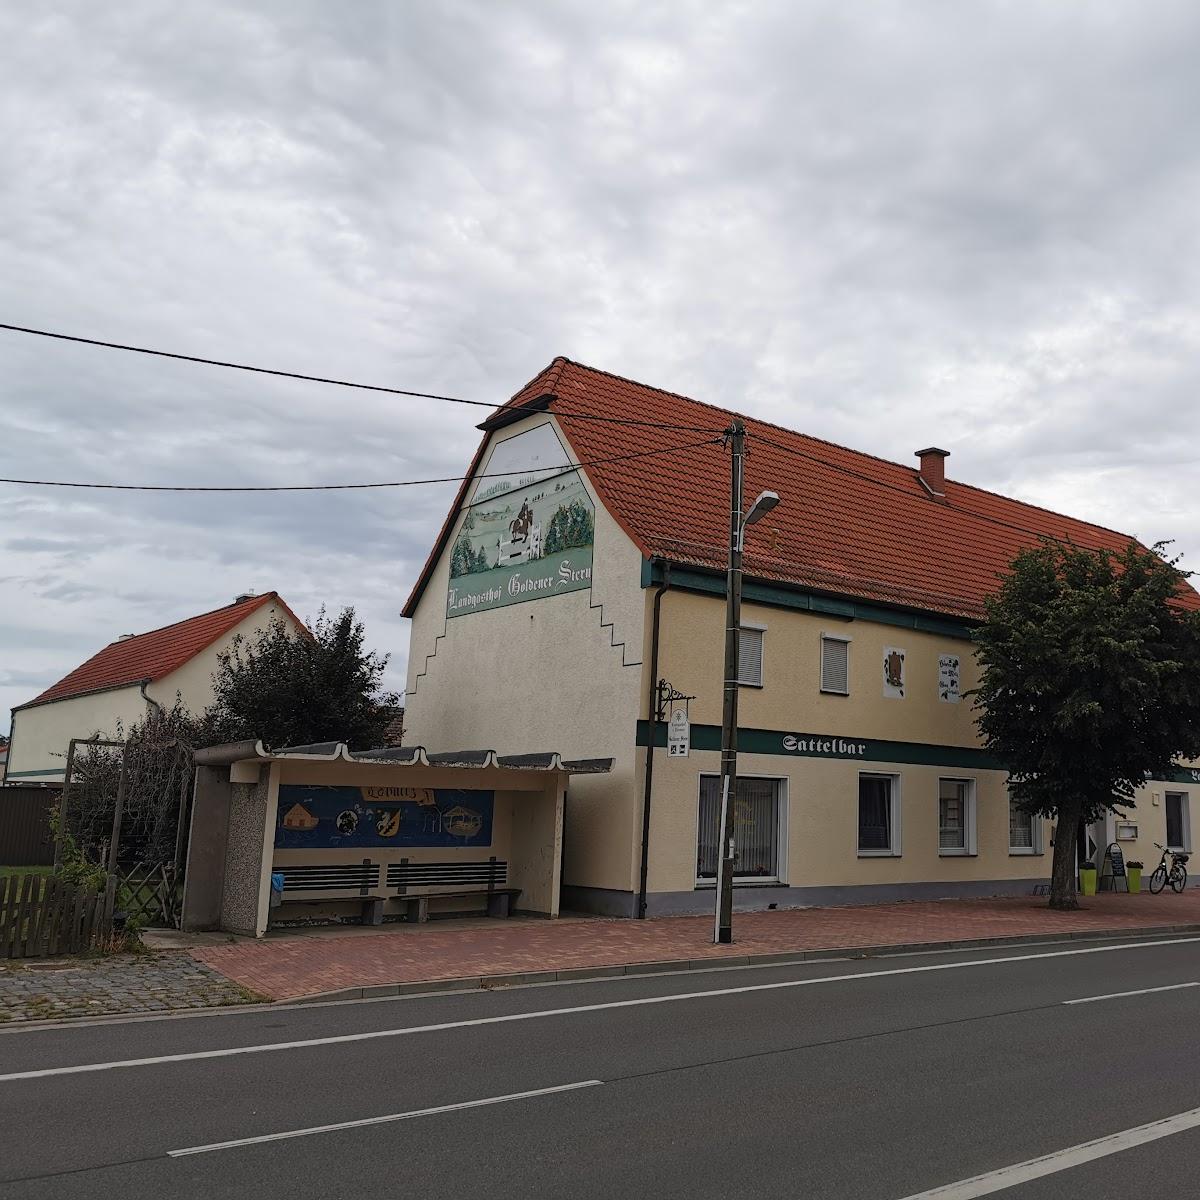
x=1171 y=987
x=1061 y=1160
x=403 y=1116
x=670 y=998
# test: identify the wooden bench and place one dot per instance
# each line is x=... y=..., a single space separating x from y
x=362 y=881
x=453 y=881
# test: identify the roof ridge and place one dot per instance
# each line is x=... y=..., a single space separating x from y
x=866 y=454
x=1053 y=512
x=125 y=640
x=556 y=365
x=733 y=412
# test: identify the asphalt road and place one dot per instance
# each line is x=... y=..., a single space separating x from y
x=886 y=1078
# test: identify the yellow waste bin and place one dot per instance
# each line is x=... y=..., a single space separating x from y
x=1134 y=874
x=1087 y=879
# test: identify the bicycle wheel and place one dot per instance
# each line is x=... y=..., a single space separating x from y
x=1158 y=880
x=1179 y=878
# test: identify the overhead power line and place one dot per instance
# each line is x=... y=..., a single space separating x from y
x=566 y=468
x=345 y=383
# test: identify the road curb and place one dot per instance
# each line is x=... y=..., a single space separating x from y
x=470 y=983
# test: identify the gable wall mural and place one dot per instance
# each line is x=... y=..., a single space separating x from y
x=528 y=530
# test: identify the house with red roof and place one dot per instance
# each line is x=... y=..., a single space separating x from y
x=574 y=596
x=129 y=678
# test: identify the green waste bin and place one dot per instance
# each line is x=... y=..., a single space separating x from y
x=1087 y=879
x=1134 y=875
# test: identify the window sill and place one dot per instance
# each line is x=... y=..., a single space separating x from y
x=1024 y=852
x=957 y=853
x=748 y=683
x=742 y=881
x=879 y=854
x=827 y=692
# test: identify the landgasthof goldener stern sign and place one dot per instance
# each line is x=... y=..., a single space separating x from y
x=527 y=532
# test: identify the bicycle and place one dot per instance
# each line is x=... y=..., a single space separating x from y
x=1176 y=876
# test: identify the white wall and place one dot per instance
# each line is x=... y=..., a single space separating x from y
x=193 y=681
x=41 y=734
x=544 y=675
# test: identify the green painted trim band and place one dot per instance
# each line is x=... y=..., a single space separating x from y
x=828 y=745
x=26 y=774
x=779 y=595
x=855 y=749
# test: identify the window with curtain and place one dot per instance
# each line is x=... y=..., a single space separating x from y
x=954 y=816
x=876 y=814
x=756 y=813
x=1022 y=830
x=1177 y=830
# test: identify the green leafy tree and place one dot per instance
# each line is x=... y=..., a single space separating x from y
x=290 y=690
x=1090 y=684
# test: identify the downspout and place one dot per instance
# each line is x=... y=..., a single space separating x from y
x=652 y=713
x=150 y=700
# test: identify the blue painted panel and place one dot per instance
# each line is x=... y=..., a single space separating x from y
x=321 y=818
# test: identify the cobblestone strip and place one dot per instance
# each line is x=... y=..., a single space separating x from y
x=124 y=983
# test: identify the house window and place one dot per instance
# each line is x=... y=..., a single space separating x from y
x=956 y=816
x=835 y=664
x=1024 y=831
x=757 y=813
x=750 y=655
x=878 y=815
x=1179 y=821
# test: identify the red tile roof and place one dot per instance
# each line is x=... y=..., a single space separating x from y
x=150 y=656
x=849 y=524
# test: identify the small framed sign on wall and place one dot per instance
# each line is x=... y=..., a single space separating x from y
x=1126 y=832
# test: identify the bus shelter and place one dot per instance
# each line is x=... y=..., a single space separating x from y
x=325 y=832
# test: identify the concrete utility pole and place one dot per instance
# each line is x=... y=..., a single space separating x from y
x=735 y=435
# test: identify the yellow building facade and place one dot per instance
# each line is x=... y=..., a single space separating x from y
x=861 y=773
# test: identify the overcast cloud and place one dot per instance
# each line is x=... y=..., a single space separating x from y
x=969 y=224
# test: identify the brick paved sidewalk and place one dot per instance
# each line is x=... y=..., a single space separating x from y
x=286 y=967
x=124 y=983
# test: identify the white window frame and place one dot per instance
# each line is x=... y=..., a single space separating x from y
x=970 y=847
x=1036 y=825
x=781 y=855
x=896 y=848
x=833 y=637
x=1185 y=819
x=761 y=630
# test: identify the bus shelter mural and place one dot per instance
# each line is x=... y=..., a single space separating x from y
x=326 y=817
x=528 y=531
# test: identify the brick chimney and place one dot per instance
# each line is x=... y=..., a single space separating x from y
x=932 y=471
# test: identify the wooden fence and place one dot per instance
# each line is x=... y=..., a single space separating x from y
x=25 y=837
x=40 y=915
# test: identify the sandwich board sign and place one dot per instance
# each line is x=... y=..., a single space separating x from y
x=679 y=735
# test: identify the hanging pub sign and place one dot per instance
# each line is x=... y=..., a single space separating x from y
x=329 y=818
x=679 y=735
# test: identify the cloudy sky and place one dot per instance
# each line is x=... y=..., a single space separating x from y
x=888 y=224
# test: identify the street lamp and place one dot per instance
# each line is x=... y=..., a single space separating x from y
x=763 y=504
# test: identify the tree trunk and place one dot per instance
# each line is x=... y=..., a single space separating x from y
x=1066 y=838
